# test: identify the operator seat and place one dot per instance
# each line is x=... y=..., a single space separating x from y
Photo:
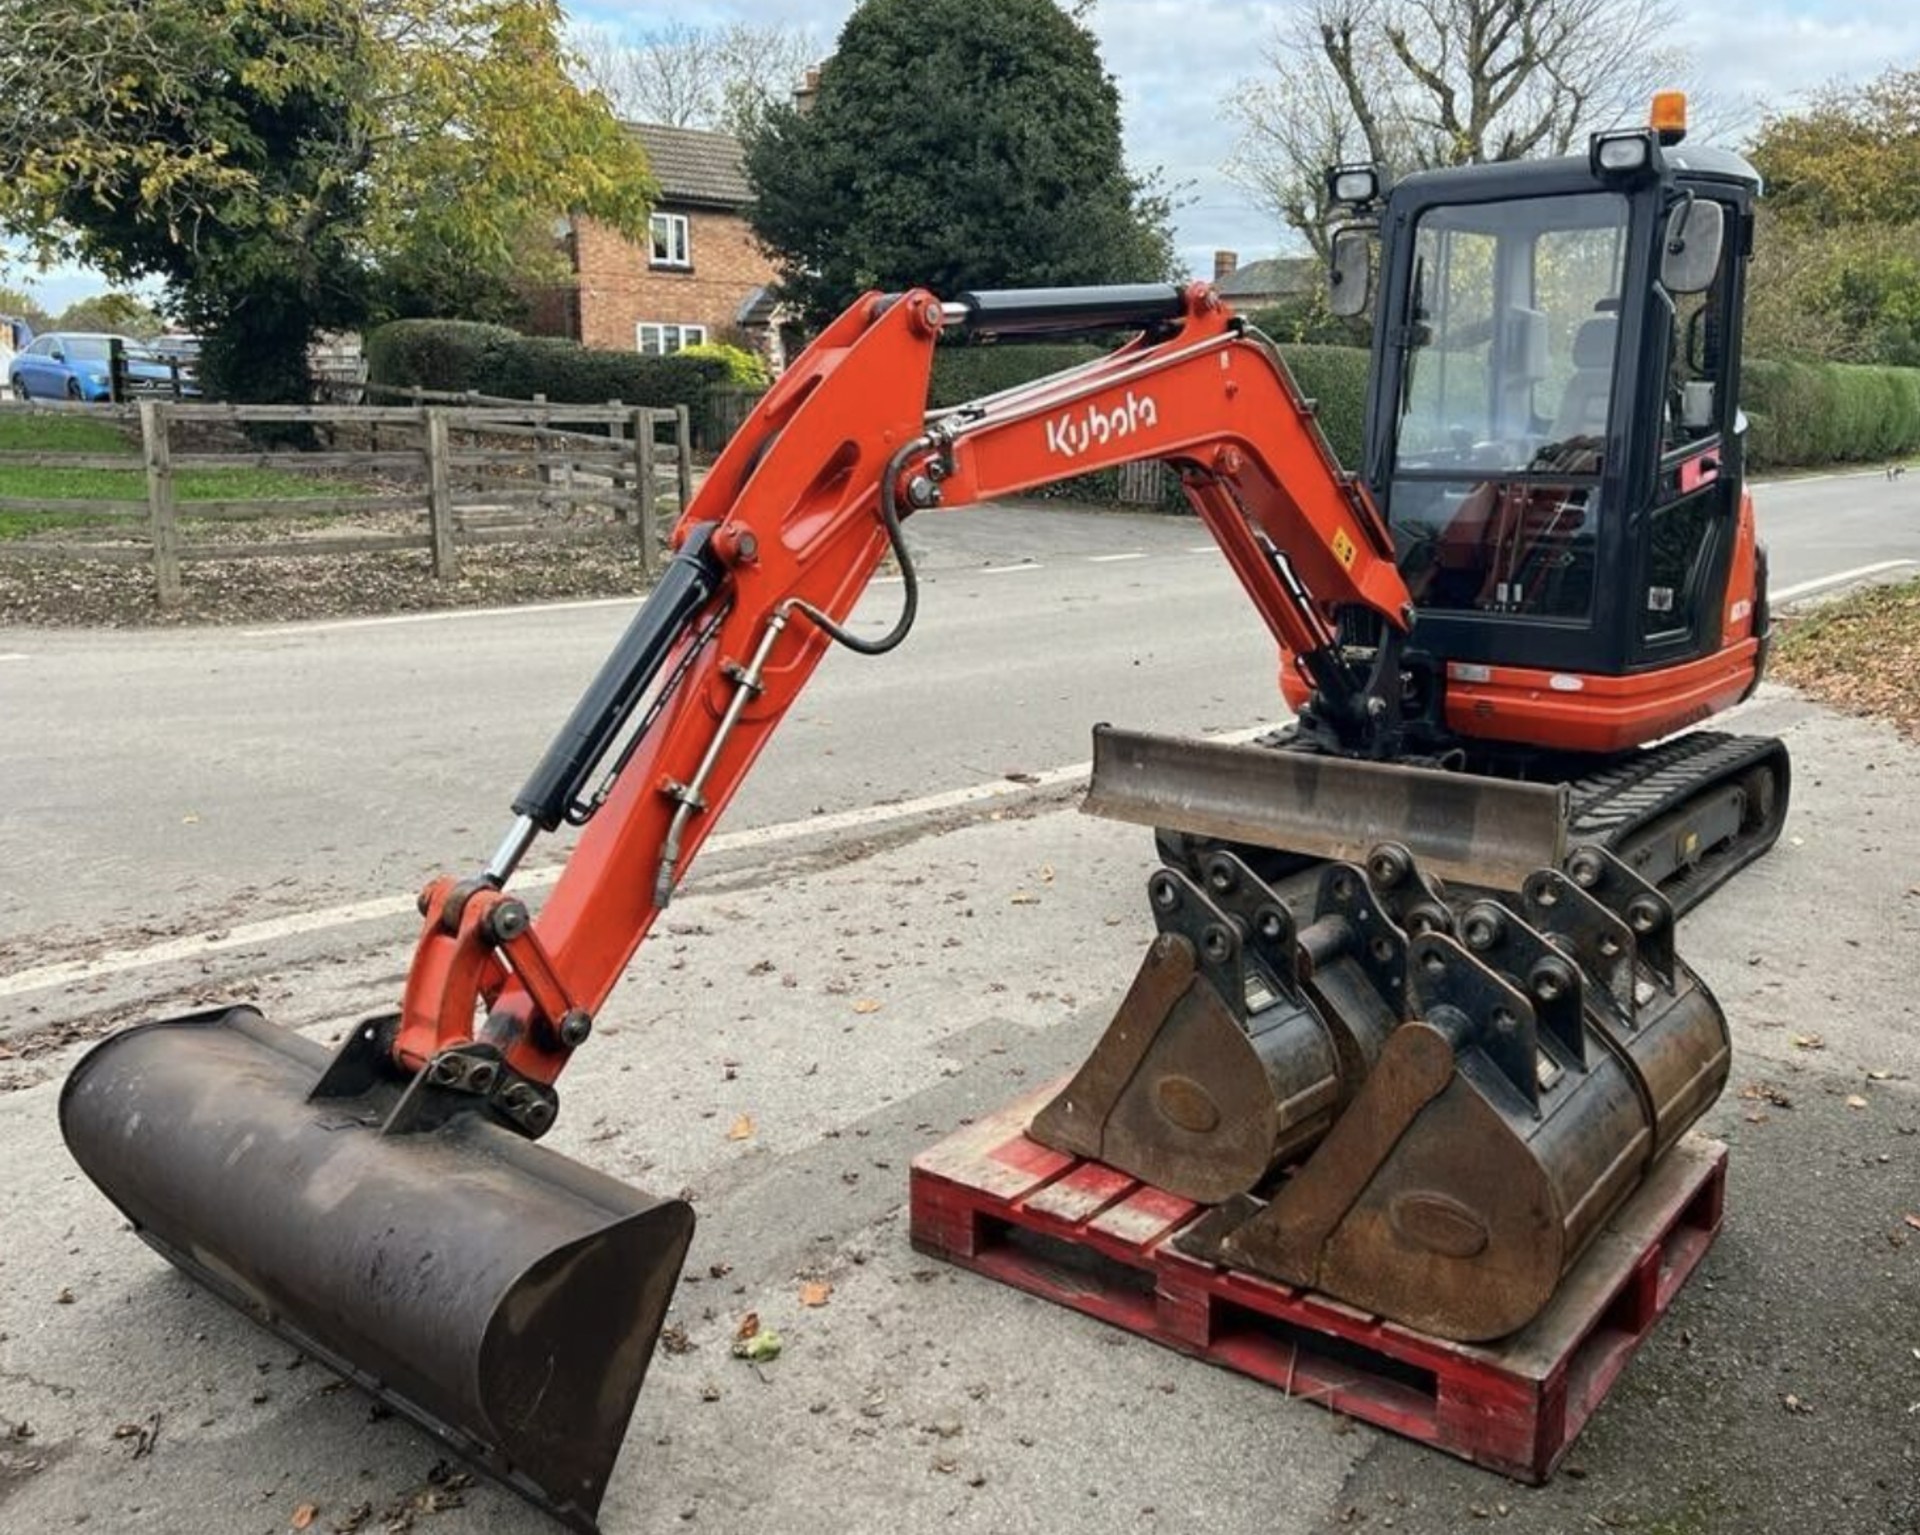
x=1583 y=408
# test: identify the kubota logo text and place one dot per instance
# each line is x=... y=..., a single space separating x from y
x=1071 y=435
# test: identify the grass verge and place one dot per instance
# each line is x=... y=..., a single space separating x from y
x=24 y=433
x=1860 y=654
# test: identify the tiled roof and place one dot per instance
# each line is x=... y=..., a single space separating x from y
x=1277 y=274
x=695 y=165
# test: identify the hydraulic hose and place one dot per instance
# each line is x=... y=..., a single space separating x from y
x=909 y=578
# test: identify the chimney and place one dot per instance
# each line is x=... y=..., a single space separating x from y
x=803 y=97
x=1225 y=264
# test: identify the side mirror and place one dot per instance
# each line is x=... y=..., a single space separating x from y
x=1350 y=272
x=1691 y=252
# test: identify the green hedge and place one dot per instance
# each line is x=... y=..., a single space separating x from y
x=1804 y=413
x=435 y=354
x=566 y=372
x=1333 y=377
x=458 y=354
x=962 y=373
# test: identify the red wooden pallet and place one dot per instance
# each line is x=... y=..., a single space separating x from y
x=1086 y=1236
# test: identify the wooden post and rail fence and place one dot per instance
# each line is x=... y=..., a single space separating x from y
x=474 y=469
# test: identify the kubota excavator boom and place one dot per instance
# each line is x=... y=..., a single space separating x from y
x=385 y=1209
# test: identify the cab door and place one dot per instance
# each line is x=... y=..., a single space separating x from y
x=1685 y=539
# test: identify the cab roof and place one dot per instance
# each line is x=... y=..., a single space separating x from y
x=1560 y=173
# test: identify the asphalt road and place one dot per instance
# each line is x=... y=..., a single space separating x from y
x=169 y=784
x=181 y=780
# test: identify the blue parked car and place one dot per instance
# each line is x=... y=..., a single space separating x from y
x=73 y=365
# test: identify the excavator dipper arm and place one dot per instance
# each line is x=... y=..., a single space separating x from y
x=773 y=553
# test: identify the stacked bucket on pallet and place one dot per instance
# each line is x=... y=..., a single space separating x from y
x=1422 y=1104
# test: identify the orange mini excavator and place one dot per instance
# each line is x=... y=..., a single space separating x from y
x=1419 y=949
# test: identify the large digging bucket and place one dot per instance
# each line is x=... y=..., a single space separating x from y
x=504 y=1298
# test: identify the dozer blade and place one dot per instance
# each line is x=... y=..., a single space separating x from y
x=504 y=1298
x=1487 y=832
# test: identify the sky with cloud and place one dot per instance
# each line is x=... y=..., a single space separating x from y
x=1176 y=59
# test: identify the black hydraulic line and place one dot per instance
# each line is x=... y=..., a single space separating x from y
x=909 y=577
x=686 y=586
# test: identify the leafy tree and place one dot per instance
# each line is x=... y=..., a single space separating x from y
x=269 y=160
x=1851 y=156
x=959 y=144
x=1837 y=262
x=1416 y=84
x=120 y=313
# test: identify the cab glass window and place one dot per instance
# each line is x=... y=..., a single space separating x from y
x=1513 y=322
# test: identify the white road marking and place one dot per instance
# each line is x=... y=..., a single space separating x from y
x=1203 y=549
x=1008 y=570
x=1789 y=481
x=14 y=656
x=388 y=908
x=1839 y=578
x=1115 y=559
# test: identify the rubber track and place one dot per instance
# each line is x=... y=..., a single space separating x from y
x=1613 y=805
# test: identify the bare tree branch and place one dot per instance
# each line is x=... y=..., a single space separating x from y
x=1422 y=83
x=693 y=77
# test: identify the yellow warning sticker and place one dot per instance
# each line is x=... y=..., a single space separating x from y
x=1343 y=549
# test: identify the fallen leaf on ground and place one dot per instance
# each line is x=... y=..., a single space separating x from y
x=1855 y=1101
x=742 y=1128
x=1809 y=1042
x=749 y=1325
x=1793 y=1404
x=1025 y=778
x=761 y=1347
x=866 y=1005
x=815 y=1292
x=1879 y=1076
x=304 y=1515
x=1046 y=874
x=1912 y=1220
x=1766 y=1092
x=1024 y=898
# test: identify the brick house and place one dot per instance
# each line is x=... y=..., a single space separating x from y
x=701 y=278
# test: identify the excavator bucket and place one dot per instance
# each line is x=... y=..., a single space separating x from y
x=506 y=1299
x=1421 y=1102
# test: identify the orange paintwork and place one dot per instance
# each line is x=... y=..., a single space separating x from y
x=803 y=477
x=1596 y=714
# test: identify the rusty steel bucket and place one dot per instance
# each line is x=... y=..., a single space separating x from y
x=506 y=1299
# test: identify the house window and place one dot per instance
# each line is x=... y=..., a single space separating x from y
x=664 y=340
x=671 y=244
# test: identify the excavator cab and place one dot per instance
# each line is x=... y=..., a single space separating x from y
x=1553 y=434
